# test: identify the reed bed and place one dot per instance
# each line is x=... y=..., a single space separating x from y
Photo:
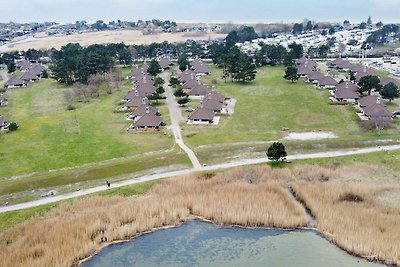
x=353 y=216
x=251 y=197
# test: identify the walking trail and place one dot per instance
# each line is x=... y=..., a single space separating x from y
x=146 y=178
x=176 y=118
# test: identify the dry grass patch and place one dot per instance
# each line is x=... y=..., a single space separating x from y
x=246 y=197
x=353 y=216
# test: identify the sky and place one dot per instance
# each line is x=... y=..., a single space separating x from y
x=243 y=11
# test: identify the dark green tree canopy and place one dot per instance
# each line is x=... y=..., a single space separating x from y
x=154 y=68
x=276 y=151
x=390 y=91
x=369 y=83
x=291 y=74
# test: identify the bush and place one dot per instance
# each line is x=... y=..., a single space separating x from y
x=13 y=127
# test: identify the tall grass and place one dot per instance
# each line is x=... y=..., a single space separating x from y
x=351 y=215
x=247 y=197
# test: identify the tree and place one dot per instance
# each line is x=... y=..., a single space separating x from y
x=160 y=90
x=309 y=26
x=246 y=70
x=13 y=126
x=180 y=93
x=174 y=81
x=11 y=67
x=183 y=101
x=323 y=51
x=332 y=30
x=125 y=57
x=183 y=63
x=368 y=83
x=316 y=27
x=369 y=21
x=297 y=50
x=390 y=91
x=291 y=74
x=154 y=68
x=298 y=28
x=362 y=26
x=276 y=151
x=379 y=24
x=158 y=81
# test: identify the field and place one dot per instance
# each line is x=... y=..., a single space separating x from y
x=50 y=137
x=129 y=37
x=264 y=108
x=343 y=199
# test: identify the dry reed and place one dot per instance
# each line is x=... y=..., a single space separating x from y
x=247 y=197
x=352 y=216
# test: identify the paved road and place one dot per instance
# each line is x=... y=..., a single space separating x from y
x=176 y=118
x=146 y=178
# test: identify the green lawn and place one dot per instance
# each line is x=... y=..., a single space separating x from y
x=50 y=137
x=268 y=105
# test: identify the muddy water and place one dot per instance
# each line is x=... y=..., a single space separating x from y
x=202 y=244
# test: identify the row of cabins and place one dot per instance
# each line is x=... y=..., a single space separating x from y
x=212 y=103
x=145 y=117
x=370 y=107
x=32 y=72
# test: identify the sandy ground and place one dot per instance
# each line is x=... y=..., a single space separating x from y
x=310 y=136
x=129 y=37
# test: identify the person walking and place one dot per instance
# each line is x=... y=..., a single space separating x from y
x=108 y=184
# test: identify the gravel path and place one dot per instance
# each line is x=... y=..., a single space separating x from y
x=146 y=178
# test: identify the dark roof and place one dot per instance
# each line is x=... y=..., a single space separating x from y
x=301 y=60
x=190 y=84
x=386 y=81
x=202 y=114
x=147 y=88
x=196 y=62
x=365 y=72
x=369 y=100
x=14 y=81
x=144 y=67
x=149 y=120
x=212 y=104
x=357 y=68
x=199 y=90
x=341 y=63
x=133 y=94
x=215 y=96
x=165 y=63
x=327 y=81
x=201 y=69
x=377 y=110
x=143 y=109
x=310 y=63
x=347 y=85
x=302 y=70
x=346 y=93
x=333 y=72
x=187 y=75
x=315 y=75
x=24 y=65
x=30 y=76
x=137 y=102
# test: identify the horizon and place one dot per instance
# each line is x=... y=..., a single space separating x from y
x=208 y=11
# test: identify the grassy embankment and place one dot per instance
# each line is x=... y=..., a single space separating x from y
x=268 y=105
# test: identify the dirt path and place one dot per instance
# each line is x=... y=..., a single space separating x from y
x=176 y=118
x=146 y=178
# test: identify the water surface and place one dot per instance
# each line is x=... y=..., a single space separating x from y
x=201 y=244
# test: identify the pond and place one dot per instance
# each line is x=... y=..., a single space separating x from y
x=202 y=244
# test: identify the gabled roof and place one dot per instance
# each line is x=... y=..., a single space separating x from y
x=377 y=110
x=301 y=60
x=133 y=94
x=347 y=85
x=196 y=62
x=365 y=72
x=357 y=68
x=302 y=70
x=368 y=100
x=24 y=65
x=315 y=75
x=199 y=90
x=202 y=69
x=212 y=104
x=327 y=81
x=386 y=81
x=147 y=88
x=202 y=114
x=190 y=84
x=165 y=63
x=137 y=102
x=143 y=109
x=215 y=96
x=346 y=93
x=14 y=81
x=149 y=120
x=29 y=76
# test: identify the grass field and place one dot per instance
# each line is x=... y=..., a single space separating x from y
x=268 y=105
x=50 y=137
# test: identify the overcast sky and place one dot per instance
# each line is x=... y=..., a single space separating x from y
x=199 y=10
